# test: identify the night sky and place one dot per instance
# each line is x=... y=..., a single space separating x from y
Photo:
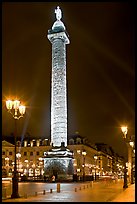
x=100 y=68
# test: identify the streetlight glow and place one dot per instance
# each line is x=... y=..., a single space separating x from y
x=22 y=109
x=131 y=144
x=95 y=157
x=16 y=104
x=84 y=153
x=9 y=104
x=124 y=130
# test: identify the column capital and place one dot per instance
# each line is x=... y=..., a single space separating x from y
x=58 y=35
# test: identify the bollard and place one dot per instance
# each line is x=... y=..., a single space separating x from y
x=91 y=184
x=50 y=190
x=87 y=186
x=25 y=195
x=116 y=180
x=44 y=192
x=58 y=187
x=35 y=193
x=75 y=189
x=79 y=188
x=83 y=187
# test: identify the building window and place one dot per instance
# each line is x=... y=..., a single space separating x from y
x=78 y=151
x=10 y=162
x=37 y=143
x=10 y=153
x=78 y=141
x=25 y=153
x=10 y=170
x=37 y=153
x=3 y=161
x=30 y=172
x=25 y=143
x=78 y=162
x=31 y=153
x=3 y=153
x=18 y=143
x=45 y=142
x=34 y=142
x=40 y=143
x=71 y=141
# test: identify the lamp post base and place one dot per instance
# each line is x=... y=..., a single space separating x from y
x=125 y=186
x=15 y=193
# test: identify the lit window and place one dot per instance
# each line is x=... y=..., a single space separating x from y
x=78 y=151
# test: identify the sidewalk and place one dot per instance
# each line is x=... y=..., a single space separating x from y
x=128 y=195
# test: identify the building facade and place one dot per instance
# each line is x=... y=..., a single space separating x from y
x=87 y=162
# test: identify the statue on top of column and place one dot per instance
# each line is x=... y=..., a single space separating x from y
x=58 y=13
x=58 y=24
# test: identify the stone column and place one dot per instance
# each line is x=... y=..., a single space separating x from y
x=59 y=38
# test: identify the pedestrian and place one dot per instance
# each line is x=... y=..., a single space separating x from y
x=53 y=178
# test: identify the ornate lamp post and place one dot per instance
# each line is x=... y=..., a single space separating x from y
x=132 y=177
x=95 y=157
x=125 y=130
x=18 y=155
x=130 y=148
x=17 y=112
x=84 y=154
x=133 y=164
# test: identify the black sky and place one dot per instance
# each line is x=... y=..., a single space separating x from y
x=100 y=68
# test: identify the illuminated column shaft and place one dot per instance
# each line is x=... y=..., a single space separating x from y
x=58 y=88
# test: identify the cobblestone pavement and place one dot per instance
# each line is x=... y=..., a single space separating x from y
x=85 y=192
x=127 y=195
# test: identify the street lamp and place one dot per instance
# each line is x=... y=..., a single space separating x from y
x=95 y=157
x=124 y=130
x=130 y=145
x=17 y=112
x=84 y=154
x=132 y=153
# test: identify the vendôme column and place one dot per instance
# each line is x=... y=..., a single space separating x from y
x=59 y=38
